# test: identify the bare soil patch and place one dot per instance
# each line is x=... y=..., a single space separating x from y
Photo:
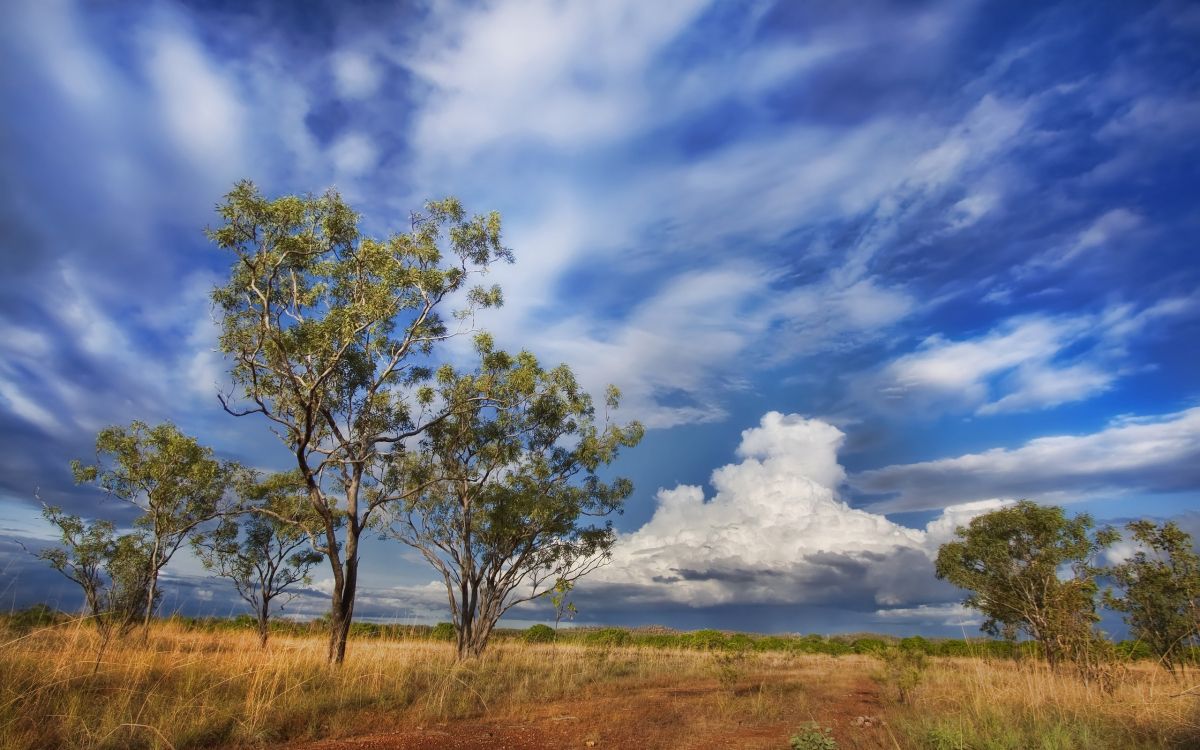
x=761 y=711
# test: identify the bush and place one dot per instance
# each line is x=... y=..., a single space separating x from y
x=37 y=616
x=706 y=640
x=540 y=634
x=916 y=643
x=608 y=637
x=903 y=670
x=869 y=646
x=443 y=631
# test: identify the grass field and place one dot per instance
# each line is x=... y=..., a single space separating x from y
x=183 y=688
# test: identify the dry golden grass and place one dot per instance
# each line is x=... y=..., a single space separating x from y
x=980 y=703
x=183 y=689
x=190 y=689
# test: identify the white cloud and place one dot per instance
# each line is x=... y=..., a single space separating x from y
x=1145 y=454
x=775 y=531
x=563 y=74
x=353 y=154
x=1108 y=228
x=1026 y=362
x=199 y=104
x=356 y=74
x=949 y=615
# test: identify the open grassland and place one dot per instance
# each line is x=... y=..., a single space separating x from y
x=183 y=688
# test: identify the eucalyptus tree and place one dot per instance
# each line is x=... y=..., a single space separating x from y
x=1014 y=561
x=176 y=483
x=112 y=570
x=331 y=334
x=1160 y=591
x=264 y=550
x=511 y=493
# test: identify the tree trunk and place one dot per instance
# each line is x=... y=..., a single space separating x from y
x=342 y=611
x=264 y=623
x=153 y=586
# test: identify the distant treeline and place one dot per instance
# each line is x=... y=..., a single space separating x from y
x=607 y=637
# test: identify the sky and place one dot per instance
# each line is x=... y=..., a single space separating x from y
x=863 y=270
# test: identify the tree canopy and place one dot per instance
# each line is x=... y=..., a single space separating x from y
x=511 y=486
x=1160 y=590
x=1030 y=569
x=177 y=483
x=331 y=334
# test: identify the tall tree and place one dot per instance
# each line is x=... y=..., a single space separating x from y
x=1161 y=587
x=330 y=333
x=1011 y=561
x=264 y=550
x=177 y=484
x=512 y=484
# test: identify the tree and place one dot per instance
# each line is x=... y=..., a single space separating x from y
x=330 y=332
x=560 y=599
x=1012 y=560
x=510 y=482
x=1161 y=585
x=268 y=552
x=176 y=483
x=113 y=571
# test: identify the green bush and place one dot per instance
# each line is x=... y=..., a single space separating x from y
x=539 y=634
x=37 y=616
x=443 y=631
x=706 y=640
x=608 y=637
x=916 y=643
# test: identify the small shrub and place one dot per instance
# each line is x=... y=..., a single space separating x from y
x=443 y=631
x=812 y=736
x=539 y=634
x=903 y=670
x=729 y=666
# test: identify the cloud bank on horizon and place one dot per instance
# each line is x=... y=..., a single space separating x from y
x=958 y=238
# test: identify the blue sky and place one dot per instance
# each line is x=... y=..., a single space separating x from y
x=863 y=270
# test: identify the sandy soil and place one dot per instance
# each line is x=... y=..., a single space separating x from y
x=763 y=714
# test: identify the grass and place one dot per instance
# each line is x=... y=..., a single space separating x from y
x=181 y=688
x=997 y=705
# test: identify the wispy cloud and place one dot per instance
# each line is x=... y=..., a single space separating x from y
x=1155 y=454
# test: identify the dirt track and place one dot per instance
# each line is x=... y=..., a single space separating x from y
x=704 y=716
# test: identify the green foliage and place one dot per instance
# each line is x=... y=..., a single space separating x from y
x=539 y=634
x=903 y=670
x=177 y=484
x=37 y=616
x=1010 y=562
x=871 y=646
x=265 y=550
x=443 y=631
x=812 y=736
x=608 y=637
x=330 y=333
x=560 y=599
x=1161 y=587
x=916 y=643
x=509 y=487
x=705 y=640
x=113 y=571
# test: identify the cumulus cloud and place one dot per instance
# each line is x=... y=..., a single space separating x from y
x=775 y=531
x=1160 y=453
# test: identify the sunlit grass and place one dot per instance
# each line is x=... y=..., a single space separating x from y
x=180 y=688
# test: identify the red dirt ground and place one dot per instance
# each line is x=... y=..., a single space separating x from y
x=659 y=718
